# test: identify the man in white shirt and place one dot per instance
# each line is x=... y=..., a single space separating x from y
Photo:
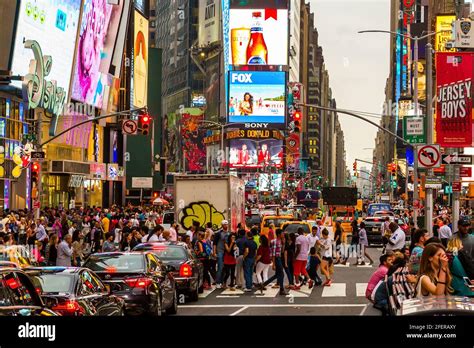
x=41 y=234
x=313 y=238
x=397 y=240
x=445 y=233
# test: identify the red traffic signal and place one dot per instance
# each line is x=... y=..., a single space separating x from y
x=35 y=167
x=354 y=166
x=145 y=121
x=297 y=116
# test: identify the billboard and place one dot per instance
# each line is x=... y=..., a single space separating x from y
x=53 y=24
x=97 y=29
x=454 y=98
x=257 y=36
x=247 y=153
x=340 y=196
x=140 y=61
x=192 y=140
x=209 y=21
x=270 y=182
x=444 y=32
x=8 y=13
x=257 y=96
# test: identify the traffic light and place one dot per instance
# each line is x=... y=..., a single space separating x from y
x=297 y=119
x=394 y=168
x=155 y=194
x=145 y=121
x=35 y=171
x=355 y=166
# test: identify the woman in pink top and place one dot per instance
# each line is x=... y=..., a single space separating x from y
x=386 y=261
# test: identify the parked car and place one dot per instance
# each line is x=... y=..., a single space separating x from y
x=75 y=291
x=188 y=271
x=374 y=207
x=373 y=227
x=140 y=278
x=18 y=296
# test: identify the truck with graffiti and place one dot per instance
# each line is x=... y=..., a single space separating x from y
x=209 y=198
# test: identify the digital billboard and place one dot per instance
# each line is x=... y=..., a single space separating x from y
x=270 y=182
x=96 y=30
x=257 y=96
x=140 y=61
x=248 y=153
x=53 y=24
x=257 y=36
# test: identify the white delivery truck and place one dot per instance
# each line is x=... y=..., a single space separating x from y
x=209 y=198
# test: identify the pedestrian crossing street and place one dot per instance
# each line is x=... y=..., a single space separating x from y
x=335 y=290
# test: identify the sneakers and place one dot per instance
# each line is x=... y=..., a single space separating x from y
x=247 y=290
x=218 y=286
x=275 y=286
x=310 y=283
x=232 y=288
x=282 y=293
x=327 y=282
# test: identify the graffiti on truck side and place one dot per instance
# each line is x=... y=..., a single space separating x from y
x=201 y=212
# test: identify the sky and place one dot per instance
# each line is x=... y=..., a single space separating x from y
x=358 y=64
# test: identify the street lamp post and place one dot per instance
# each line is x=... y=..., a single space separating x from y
x=429 y=115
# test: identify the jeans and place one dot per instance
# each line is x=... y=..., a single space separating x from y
x=239 y=268
x=279 y=274
x=220 y=267
x=289 y=272
x=248 y=272
x=229 y=270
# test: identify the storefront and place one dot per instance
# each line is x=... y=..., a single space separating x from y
x=14 y=190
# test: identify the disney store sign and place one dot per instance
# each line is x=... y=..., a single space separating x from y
x=36 y=90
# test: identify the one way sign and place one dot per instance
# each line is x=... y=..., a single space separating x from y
x=457 y=159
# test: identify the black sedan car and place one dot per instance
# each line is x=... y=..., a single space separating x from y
x=146 y=285
x=75 y=291
x=373 y=226
x=19 y=297
x=187 y=270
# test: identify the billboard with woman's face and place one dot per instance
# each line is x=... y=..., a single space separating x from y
x=140 y=61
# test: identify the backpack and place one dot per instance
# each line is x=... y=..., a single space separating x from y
x=207 y=248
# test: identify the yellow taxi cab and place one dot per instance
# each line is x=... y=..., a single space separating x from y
x=293 y=226
x=17 y=254
x=277 y=220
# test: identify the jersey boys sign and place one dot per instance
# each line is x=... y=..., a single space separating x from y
x=454 y=98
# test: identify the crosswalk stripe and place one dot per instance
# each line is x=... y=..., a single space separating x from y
x=232 y=293
x=360 y=289
x=335 y=290
x=364 y=266
x=341 y=265
x=207 y=292
x=270 y=292
x=304 y=291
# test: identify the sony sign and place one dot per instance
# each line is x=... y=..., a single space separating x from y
x=256 y=125
x=36 y=90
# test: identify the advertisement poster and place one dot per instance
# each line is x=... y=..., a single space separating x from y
x=140 y=61
x=42 y=20
x=214 y=158
x=270 y=182
x=256 y=97
x=444 y=32
x=209 y=16
x=192 y=139
x=111 y=37
x=170 y=141
x=258 y=36
x=293 y=145
x=89 y=82
x=247 y=153
x=77 y=137
x=454 y=99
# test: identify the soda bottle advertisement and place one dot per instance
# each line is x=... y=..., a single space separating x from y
x=258 y=37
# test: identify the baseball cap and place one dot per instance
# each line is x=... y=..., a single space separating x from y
x=464 y=222
x=224 y=222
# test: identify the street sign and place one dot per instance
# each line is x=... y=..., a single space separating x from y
x=433 y=183
x=457 y=186
x=145 y=183
x=130 y=127
x=414 y=129
x=429 y=156
x=465 y=172
x=457 y=159
x=38 y=155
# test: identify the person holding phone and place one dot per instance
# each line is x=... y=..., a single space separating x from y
x=434 y=276
x=461 y=283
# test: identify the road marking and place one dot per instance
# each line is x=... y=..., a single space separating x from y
x=360 y=289
x=206 y=293
x=335 y=290
x=276 y=306
x=228 y=296
x=364 y=266
x=270 y=292
x=365 y=309
x=304 y=291
x=233 y=293
x=239 y=311
x=341 y=265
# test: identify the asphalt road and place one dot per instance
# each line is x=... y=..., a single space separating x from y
x=346 y=296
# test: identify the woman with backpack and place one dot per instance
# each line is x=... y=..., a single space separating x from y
x=203 y=252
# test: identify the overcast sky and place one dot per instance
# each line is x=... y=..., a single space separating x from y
x=358 y=64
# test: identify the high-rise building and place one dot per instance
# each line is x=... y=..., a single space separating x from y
x=295 y=20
